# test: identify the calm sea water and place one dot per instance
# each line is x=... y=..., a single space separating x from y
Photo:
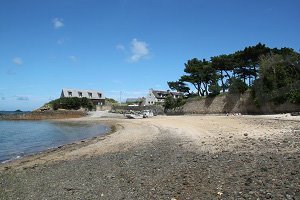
x=19 y=138
x=12 y=112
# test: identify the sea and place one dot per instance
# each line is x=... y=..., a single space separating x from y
x=12 y=112
x=21 y=138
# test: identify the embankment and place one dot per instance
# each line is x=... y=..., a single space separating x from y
x=42 y=115
x=233 y=103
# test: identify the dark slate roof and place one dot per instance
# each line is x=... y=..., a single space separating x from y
x=160 y=94
x=177 y=93
x=84 y=93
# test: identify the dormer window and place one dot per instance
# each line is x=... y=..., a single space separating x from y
x=90 y=94
x=80 y=94
x=99 y=95
x=70 y=94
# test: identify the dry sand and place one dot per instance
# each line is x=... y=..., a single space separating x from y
x=165 y=157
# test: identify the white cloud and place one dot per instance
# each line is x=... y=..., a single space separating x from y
x=17 y=61
x=73 y=58
x=120 y=47
x=57 y=23
x=139 y=50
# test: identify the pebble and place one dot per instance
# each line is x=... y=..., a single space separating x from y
x=289 y=197
x=161 y=170
x=268 y=195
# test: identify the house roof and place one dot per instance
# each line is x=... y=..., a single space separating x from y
x=85 y=93
x=176 y=93
x=160 y=94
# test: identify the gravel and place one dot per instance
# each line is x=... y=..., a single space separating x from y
x=169 y=167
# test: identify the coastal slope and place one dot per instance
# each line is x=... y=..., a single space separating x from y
x=177 y=157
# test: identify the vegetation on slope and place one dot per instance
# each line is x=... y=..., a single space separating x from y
x=272 y=75
x=73 y=103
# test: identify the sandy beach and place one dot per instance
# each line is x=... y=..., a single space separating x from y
x=167 y=157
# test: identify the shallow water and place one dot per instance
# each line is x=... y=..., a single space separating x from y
x=19 y=138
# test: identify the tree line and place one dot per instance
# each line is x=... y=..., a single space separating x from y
x=271 y=74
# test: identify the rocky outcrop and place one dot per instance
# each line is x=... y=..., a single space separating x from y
x=42 y=115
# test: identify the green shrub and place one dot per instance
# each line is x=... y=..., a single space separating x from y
x=214 y=89
x=171 y=103
x=110 y=101
x=73 y=103
x=237 y=86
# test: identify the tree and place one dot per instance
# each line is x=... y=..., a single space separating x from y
x=279 y=77
x=179 y=86
x=171 y=103
x=237 y=86
x=110 y=101
x=224 y=65
x=273 y=74
x=199 y=73
x=247 y=61
x=214 y=88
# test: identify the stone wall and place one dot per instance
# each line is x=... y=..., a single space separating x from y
x=102 y=108
x=232 y=104
x=42 y=115
x=156 y=109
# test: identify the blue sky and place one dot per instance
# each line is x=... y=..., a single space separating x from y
x=125 y=45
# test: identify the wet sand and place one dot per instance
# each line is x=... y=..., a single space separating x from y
x=165 y=157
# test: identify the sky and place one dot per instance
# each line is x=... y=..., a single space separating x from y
x=125 y=47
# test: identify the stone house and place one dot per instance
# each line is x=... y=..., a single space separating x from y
x=95 y=96
x=159 y=96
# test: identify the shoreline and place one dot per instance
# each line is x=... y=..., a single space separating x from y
x=112 y=122
x=181 y=157
x=7 y=164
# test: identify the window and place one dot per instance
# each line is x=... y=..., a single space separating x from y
x=99 y=95
x=70 y=94
x=80 y=94
x=90 y=94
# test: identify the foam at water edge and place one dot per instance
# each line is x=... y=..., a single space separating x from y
x=9 y=160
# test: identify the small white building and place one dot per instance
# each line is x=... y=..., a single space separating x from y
x=95 y=96
x=135 y=101
x=159 y=96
